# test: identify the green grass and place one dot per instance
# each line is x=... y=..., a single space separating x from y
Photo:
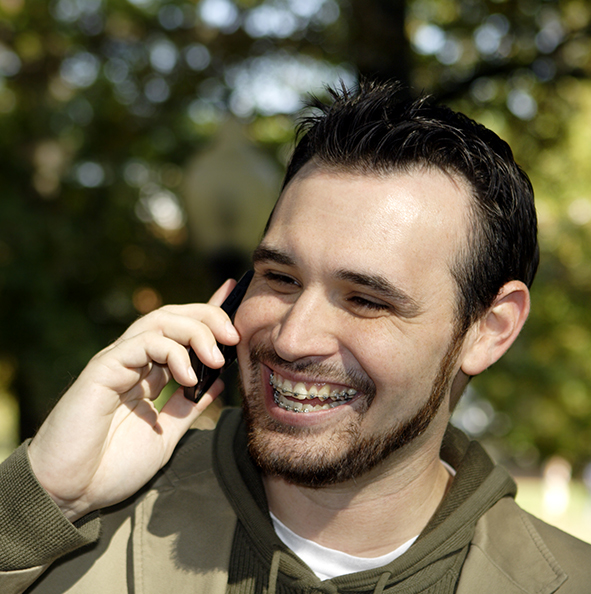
x=575 y=520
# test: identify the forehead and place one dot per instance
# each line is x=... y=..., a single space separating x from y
x=421 y=212
x=406 y=227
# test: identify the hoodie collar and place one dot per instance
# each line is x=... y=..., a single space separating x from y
x=439 y=551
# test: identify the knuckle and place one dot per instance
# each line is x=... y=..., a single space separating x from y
x=157 y=317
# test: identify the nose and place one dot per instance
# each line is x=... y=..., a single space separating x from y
x=308 y=328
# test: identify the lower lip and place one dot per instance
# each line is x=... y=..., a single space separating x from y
x=292 y=417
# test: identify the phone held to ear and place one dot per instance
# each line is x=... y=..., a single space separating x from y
x=206 y=375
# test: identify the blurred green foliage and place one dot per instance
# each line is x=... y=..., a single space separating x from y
x=104 y=104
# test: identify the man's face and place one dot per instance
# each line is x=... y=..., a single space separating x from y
x=348 y=341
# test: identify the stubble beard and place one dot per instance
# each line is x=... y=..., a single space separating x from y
x=298 y=456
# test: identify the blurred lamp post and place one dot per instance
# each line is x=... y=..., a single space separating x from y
x=230 y=189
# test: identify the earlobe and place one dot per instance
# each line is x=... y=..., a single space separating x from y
x=495 y=332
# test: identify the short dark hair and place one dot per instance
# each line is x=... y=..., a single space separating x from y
x=372 y=130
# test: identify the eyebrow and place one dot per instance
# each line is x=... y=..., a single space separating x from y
x=267 y=254
x=406 y=305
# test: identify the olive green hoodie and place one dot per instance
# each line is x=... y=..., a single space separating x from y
x=260 y=562
x=202 y=526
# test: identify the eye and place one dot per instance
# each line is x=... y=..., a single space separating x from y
x=280 y=282
x=368 y=304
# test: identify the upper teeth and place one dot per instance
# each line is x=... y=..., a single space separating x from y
x=284 y=387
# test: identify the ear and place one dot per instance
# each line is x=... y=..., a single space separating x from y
x=491 y=336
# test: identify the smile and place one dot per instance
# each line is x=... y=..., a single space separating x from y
x=292 y=397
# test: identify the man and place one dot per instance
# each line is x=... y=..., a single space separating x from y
x=394 y=267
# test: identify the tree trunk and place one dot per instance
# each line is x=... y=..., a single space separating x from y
x=378 y=42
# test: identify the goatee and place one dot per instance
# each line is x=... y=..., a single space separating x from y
x=291 y=452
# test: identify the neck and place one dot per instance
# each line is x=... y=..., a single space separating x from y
x=351 y=517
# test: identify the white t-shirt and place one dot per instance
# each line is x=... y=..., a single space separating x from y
x=329 y=563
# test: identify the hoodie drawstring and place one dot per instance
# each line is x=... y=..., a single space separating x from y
x=381 y=583
x=274 y=571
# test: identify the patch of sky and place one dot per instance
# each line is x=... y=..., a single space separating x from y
x=276 y=83
x=89 y=174
x=80 y=70
x=489 y=36
x=521 y=104
x=164 y=55
x=10 y=63
x=218 y=14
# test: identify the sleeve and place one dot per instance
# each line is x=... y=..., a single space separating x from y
x=33 y=530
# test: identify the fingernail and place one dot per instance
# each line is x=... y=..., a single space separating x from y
x=231 y=330
x=217 y=354
x=192 y=374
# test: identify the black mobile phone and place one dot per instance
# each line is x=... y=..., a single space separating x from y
x=206 y=375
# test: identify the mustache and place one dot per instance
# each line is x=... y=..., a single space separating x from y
x=328 y=372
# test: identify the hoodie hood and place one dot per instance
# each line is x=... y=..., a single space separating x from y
x=432 y=564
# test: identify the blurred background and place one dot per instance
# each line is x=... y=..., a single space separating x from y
x=142 y=144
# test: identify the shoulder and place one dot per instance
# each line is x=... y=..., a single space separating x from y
x=194 y=453
x=515 y=552
x=572 y=553
x=508 y=516
x=192 y=456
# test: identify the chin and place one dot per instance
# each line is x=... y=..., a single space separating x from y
x=328 y=447
x=314 y=457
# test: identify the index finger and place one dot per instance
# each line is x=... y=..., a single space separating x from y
x=222 y=293
x=234 y=298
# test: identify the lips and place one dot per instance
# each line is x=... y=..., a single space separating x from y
x=299 y=397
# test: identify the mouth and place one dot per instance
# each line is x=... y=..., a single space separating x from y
x=299 y=397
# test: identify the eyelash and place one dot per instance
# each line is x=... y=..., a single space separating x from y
x=367 y=304
x=357 y=301
x=279 y=278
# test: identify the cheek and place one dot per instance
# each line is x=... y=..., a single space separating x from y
x=245 y=321
x=255 y=315
x=398 y=362
x=255 y=319
x=384 y=362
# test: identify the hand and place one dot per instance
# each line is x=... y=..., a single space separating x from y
x=105 y=439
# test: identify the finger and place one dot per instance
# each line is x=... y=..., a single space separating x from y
x=187 y=324
x=222 y=293
x=130 y=361
x=137 y=352
x=151 y=385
